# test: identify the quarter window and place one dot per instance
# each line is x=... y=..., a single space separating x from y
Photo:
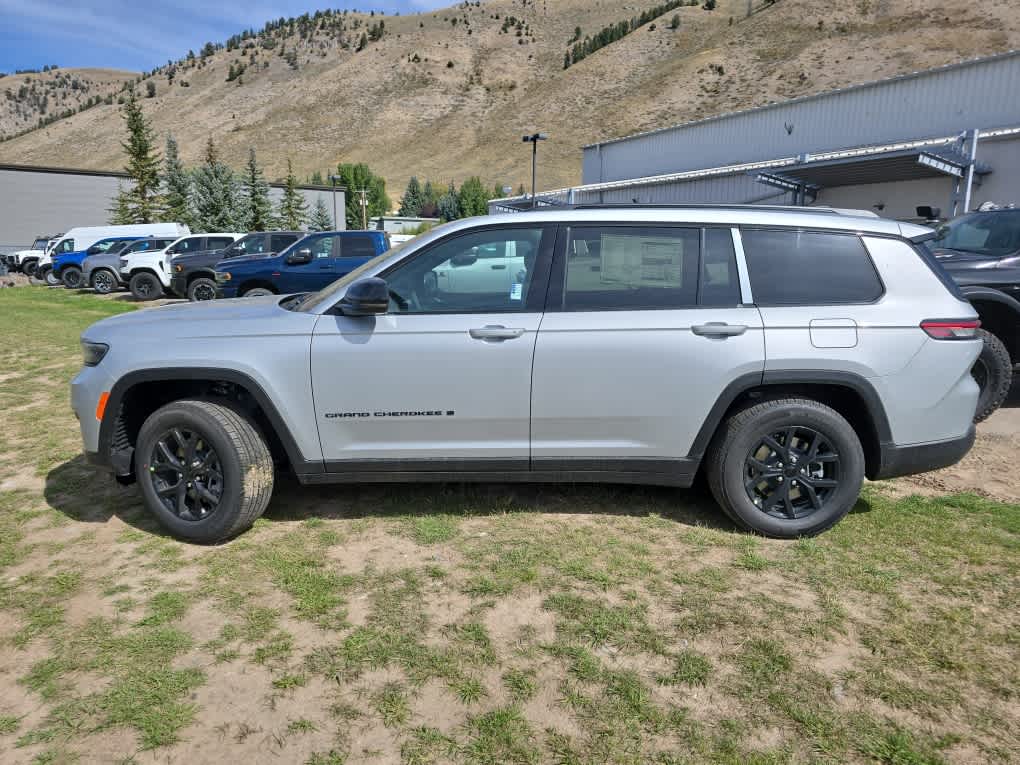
x=720 y=285
x=631 y=268
x=809 y=268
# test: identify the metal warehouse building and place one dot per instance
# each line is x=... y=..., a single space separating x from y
x=49 y=200
x=947 y=137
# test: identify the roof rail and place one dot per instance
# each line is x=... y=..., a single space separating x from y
x=724 y=206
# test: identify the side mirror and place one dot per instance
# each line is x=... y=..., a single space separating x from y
x=299 y=258
x=928 y=213
x=464 y=259
x=366 y=297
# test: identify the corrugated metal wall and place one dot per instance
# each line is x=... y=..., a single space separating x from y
x=939 y=102
x=34 y=202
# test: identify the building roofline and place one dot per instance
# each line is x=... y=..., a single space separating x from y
x=813 y=97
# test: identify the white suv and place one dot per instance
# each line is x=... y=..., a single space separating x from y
x=784 y=353
x=148 y=272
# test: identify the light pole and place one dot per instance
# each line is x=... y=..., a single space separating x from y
x=533 y=139
x=332 y=182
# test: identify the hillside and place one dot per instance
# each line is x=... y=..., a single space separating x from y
x=448 y=94
x=27 y=98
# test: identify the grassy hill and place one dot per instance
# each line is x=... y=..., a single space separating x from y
x=448 y=94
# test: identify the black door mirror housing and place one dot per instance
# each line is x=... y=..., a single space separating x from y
x=302 y=256
x=366 y=297
x=464 y=259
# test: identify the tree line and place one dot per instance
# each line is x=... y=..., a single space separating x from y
x=581 y=49
x=451 y=203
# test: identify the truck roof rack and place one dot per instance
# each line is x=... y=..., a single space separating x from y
x=708 y=206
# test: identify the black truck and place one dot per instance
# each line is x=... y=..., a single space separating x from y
x=981 y=252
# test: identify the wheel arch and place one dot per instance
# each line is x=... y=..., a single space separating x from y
x=999 y=314
x=137 y=394
x=850 y=394
x=201 y=273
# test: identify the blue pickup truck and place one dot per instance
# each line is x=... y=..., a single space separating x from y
x=67 y=267
x=307 y=265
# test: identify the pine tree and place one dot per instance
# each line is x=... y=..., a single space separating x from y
x=413 y=199
x=176 y=185
x=256 y=209
x=449 y=204
x=321 y=219
x=473 y=198
x=215 y=194
x=292 y=210
x=355 y=178
x=142 y=200
x=120 y=212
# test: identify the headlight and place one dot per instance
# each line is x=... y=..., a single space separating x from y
x=93 y=353
x=223 y=276
x=178 y=269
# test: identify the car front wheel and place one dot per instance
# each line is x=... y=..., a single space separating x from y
x=145 y=286
x=204 y=470
x=786 y=468
x=202 y=289
x=103 y=281
x=71 y=277
x=258 y=292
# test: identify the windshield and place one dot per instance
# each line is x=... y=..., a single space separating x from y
x=40 y=244
x=995 y=234
x=328 y=294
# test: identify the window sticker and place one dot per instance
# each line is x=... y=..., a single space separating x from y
x=516 y=291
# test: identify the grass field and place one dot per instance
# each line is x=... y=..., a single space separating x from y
x=482 y=624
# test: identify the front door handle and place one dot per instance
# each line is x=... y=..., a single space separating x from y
x=498 y=266
x=495 y=332
x=718 y=329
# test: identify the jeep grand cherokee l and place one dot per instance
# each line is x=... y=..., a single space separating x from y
x=786 y=353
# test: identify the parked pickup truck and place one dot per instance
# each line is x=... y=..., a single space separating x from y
x=148 y=273
x=25 y=260
x=307 y=265
x=194 y=276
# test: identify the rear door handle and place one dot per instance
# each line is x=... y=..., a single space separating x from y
x=495 y=332
x=498 y=266
x=719 y=329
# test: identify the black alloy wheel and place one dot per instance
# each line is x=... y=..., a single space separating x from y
x=791 y=473
x=187 y=475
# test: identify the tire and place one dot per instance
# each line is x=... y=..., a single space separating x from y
x=202 y=288
x=104 y=281
x=258 y=292
x=993 y=372
x=28 y=269
x=742 y=437
x=245 y=482
x=71 y=277
x=46 y=274
x=145 y=286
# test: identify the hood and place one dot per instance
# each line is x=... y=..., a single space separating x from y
x=203 y=258
x=28 y=253
x=240 y=260
x=948 y=257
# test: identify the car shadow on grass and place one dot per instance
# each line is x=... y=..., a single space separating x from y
x=88 y=494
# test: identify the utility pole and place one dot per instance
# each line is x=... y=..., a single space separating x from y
x=533 y=139
x=332 y=182
x=364 y=208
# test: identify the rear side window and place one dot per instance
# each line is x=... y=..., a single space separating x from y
x=631 y=268
x=357 y=246
x=809 y=268
x=218 y=242
x=280 y=242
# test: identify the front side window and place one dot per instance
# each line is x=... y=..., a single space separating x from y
x=809 y=268
x=280 y=242
x=454 y=277
x=218 y=242
x=631 y=268
x=192 y=244
x=65 y=245
x=103 y=245
x=320 y=246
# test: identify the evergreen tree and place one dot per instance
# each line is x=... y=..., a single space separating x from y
x=292 y=210
x=413 y=199
x=473 y=198
x=358 y=177
x=176 y=185
x=142 y=200
x=256 y=209
x=215 y=194
x=449 y=204
x=321 y=219
x=430 y=205
x=120 y=212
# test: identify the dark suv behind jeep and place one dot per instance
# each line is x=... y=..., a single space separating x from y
x=193 y=276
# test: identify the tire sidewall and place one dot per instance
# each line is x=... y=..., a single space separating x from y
x=996 y=360
x=48 y=277
x=144 y=276
x=218 y=525
x=108 y=288
x=839 y=434
x=258 y=292
x=201 y=282
x=71 y=277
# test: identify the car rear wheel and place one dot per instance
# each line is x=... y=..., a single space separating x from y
x=204 y=470
x=258 y=292
x=103 y=281
x=71 y=277
x=202 y=289
x=145 y=286
x=786 y=468
x=993 y=372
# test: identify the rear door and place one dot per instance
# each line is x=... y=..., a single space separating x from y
x=645 y=327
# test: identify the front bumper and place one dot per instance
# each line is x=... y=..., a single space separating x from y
x=898 y=461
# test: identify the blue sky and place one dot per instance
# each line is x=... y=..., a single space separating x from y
x=142 y=34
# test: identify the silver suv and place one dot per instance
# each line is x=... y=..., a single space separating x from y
x=787 y=353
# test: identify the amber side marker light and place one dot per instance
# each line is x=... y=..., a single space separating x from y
x=101 y=406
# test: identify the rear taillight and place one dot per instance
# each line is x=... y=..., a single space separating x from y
x=951 y=329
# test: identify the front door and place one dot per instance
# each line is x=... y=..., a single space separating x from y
x=646 y=330
x=443 y=380
x=314 y=275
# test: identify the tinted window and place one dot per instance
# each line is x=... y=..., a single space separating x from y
x=357 y=246
x=809 y=268
x=218 y=242
x=995 y=234
x=451 y=277
x=253 y=244
x=65 y=245
x=321 y=246
x=279 y=242
x=633 y=268
x=118 y=246
x=720 y=285
x=191 y=244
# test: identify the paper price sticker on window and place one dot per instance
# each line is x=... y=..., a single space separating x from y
x=516 y=291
